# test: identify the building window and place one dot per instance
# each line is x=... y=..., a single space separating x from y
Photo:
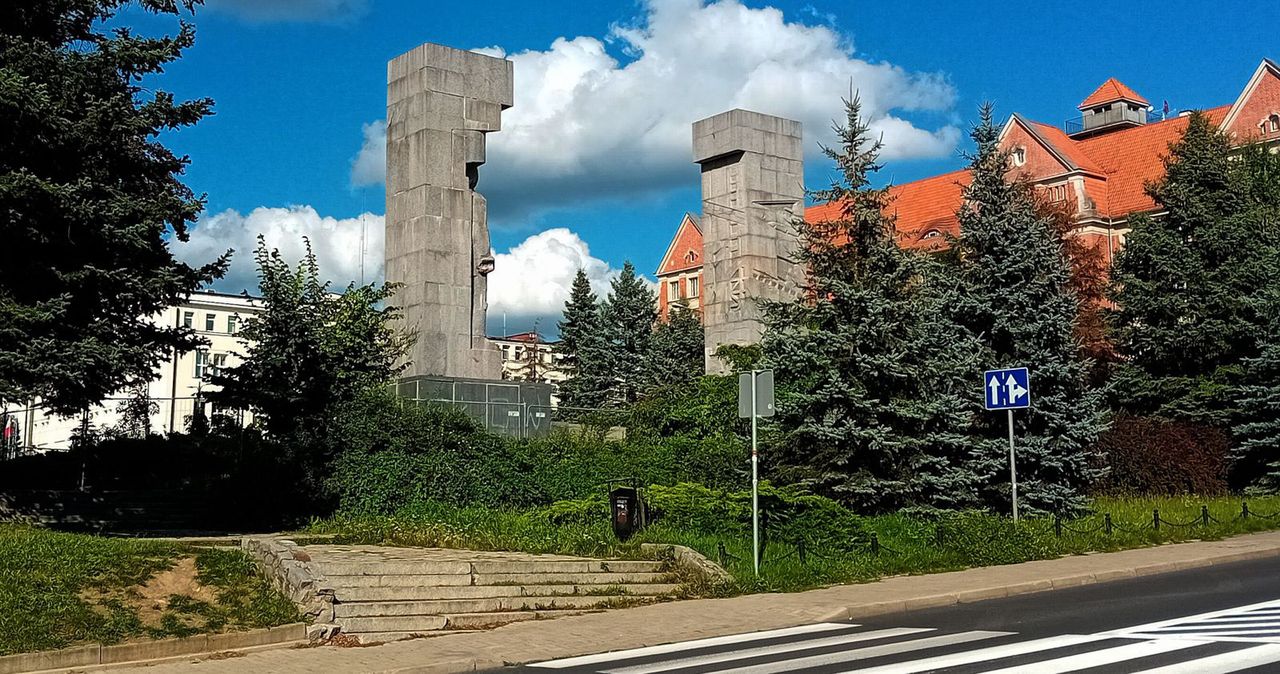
x=233 y=323
x=202 y=363
x=208 y=322
x=673 y=290
x=690 y=256
x=693 y=287
x=188 y=318
x=1275 y=123
x=218 y=363
x=931 y=234
x=1019 y=156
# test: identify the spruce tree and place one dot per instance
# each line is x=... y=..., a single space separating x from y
x=582 y=349
x=89 y=200
x=1016 y=300
x=868 y=408
x=677 y=349
x=1187 y=282
x=629 y=314
x=1257 y=454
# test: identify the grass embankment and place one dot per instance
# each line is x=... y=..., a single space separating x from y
x=59 y=589
x=908 y=544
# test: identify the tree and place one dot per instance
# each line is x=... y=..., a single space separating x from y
x=1187 y=284
x=1257 y=456
x=1016 y=300
x=534 y=365
x=582 y=349
x=676 y=350
x=868 y=409
x=135 y=413
x=628 y=315
x=308 y=352
x=89 y=198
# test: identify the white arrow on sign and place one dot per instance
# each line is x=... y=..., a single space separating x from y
x=1015 y=391
x=993 y=385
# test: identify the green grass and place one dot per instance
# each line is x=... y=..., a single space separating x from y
x=908 y=544
x=60 y=589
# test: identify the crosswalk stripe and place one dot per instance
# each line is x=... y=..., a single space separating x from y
x=1214 y=629
x=1205 y=635
x=864 y=653
x=1223 y=663
x=983 y=655
x=692 y=645
x=776 y=649
x=1105 y=656
x=1150 y=627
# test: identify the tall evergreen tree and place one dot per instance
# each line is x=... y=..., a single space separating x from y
x=583 y=355
x=868 y=406
x=1256 y=458
x=1016 y=300
x=1187 y=283
x=629 y=314
x=677 y=349
x=89 y=198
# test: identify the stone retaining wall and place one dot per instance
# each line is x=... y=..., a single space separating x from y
x=292 y=572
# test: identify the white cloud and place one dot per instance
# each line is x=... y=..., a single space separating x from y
x=369 y=166
x=267 y=11
x=585 y=125
x=533 y=279
x=336 y=243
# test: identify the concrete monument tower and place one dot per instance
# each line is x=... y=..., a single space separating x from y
x=752 y=189
x=440 y=104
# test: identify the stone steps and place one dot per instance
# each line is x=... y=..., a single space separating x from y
x=362 y=609
x=418 y=624
x=427 y=592
x=569 y=578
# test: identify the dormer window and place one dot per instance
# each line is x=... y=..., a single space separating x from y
x=1274 y=121
x=931 y=234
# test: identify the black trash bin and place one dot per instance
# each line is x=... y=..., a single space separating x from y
x=625 y=505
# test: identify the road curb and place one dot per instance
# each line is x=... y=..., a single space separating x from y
x=96 y=657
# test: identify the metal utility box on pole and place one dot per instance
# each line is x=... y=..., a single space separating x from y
x=755 y=400
x=1008 y=389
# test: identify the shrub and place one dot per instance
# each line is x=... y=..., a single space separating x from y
x=1145 y=455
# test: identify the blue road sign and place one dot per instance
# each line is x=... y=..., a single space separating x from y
x=1007 y=389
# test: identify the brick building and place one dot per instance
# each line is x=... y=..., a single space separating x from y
x=1097 y=164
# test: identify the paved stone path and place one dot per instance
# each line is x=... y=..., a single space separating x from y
x=677 y=621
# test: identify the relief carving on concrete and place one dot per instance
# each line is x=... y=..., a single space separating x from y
x=752 y=189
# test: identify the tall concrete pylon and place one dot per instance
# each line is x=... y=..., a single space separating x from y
x=440 y=104
x=752 y=190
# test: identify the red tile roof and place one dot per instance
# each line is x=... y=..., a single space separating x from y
x=1132 y=157
x=1112 y=90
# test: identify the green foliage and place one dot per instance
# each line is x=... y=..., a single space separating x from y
x=582 y=349
x=308 y=353
x=90 y=197
x=1195 y=287
x=704 y=408
x=869 y=372
x=628 y=317
x=1016 y=302
x=1257 y=457
x=246 y=598
x=676 y=350
x=396 y=455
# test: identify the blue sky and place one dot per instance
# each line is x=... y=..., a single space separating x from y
x=596 y=153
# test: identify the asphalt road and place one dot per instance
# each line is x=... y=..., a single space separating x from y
x=1155 y=624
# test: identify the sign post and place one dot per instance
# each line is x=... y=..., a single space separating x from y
x=755 y=399
x=1008 y=389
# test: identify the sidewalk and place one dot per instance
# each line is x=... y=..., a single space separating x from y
x=678 y=621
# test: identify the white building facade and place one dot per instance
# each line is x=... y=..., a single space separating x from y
x=176 y=389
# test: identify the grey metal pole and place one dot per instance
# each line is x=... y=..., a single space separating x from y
x=1013 y=469
x=755 y=482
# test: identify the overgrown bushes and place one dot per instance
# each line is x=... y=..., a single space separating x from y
x=396 y=455
x=1144 y=455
